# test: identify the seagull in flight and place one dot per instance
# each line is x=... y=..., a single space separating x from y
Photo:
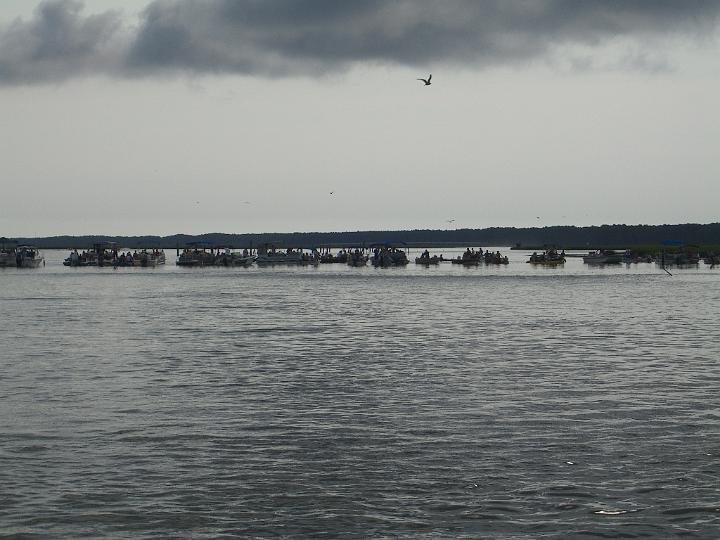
x=427 y=81
x=449 y=220
x=332 y=192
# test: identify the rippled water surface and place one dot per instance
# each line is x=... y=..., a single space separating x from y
x=490 y=402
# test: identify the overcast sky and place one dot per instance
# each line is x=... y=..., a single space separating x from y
x=137 y=117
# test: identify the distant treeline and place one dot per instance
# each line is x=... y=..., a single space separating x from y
x=560 y=236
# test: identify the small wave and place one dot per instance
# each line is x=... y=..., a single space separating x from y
x=610 y=512
x=30 y=449
x=691 y=510
x=567 y=491
x=615 y=512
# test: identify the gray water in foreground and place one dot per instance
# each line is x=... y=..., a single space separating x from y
x=510 y=402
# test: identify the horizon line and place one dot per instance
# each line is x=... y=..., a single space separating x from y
x=448 y=230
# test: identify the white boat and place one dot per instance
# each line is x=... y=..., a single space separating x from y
x=196 y=254
x=231 y=258
x=152 y=258
x=101 y=254
x=239 y=260
x=21 y=257
x=602 y=257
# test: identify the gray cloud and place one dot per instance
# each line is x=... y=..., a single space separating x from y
x=290 y=37
x=59 y=42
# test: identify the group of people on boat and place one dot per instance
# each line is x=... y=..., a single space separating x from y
x=631 y=257
x=678 y=258
x=673 y=258
x=425 y=258
x=356 y=257
x=226 y=256
x=21 y=257
x=389 y=256
x=85 y=258
x=340 y=257
x=713 y=259
x=551 y=256
x=112 y=257
x=304 y=255
x=495 y=258
x=125 y=259
x=470 y=257
x=211 y=256
x=290 y=252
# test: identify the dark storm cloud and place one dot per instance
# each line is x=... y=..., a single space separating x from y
x=59 y=42
x=288 y=37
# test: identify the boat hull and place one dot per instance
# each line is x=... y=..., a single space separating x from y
x=31 y=263
x=281 y=259
x=558 y=262
x=149 y=261
x=243 y=262
x=603 y=259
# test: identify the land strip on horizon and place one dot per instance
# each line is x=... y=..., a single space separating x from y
x=531 y=237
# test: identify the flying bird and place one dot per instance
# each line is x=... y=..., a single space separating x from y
x=332 y=192
x=449 y=220
x=427 y=81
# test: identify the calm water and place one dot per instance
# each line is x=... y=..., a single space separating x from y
x=510 y=402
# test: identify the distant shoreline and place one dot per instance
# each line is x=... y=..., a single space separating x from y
x=568 y=237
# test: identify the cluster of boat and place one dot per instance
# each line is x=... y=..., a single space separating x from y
x=684 y=259
x=379 y=255
x=603 y=257
x=469 y=258
x=664 y=258
x=205 y=255
x=200 y=254
x=382 y=256
x=15 y=256
x=107 y=254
